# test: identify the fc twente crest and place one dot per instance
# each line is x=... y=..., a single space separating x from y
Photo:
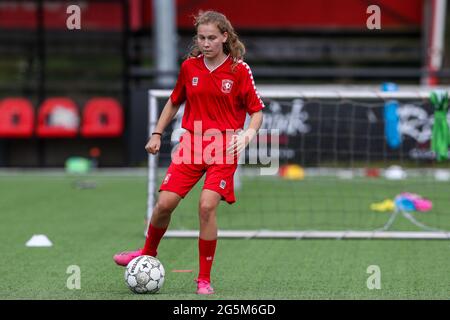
x=227 y=85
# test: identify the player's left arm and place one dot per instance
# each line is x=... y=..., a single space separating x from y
x=253 y=106
x=241 y=141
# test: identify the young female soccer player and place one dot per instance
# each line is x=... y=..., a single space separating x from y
x=218 y=90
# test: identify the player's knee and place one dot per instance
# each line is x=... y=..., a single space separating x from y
x=164 y=207
x=206 y=210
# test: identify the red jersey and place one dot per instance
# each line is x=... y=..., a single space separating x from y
x=219 y=98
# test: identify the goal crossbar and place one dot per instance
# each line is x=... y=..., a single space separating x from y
x=310 y=93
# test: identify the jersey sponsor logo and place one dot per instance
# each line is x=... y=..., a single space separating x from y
x=227 y=85
x=223 y=183
x=194 y=81
x=166 y=179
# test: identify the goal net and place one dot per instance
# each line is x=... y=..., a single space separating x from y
x=328 y=162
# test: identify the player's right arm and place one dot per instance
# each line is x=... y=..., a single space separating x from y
x=167 y=115
x=174 y=102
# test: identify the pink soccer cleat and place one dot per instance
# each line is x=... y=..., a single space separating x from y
x=123 y=258
x=204 y=287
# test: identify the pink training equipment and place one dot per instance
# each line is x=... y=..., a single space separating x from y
x=420 y=204
x=423 y=204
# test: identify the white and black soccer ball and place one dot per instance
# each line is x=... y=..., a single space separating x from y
x=144 y=274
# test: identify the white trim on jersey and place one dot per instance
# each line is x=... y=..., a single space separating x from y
x=253 y=81
x=204 y=61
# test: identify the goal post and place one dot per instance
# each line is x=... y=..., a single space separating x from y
x=338 y=174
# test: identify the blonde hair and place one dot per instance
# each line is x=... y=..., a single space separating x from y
x=233 y=46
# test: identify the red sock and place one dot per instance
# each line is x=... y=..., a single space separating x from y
x=154 y=236
x=206 y=249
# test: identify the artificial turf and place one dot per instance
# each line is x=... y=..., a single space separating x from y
x=87 y=226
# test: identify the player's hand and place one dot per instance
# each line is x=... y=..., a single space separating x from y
x=240 y=141
x=153 y=144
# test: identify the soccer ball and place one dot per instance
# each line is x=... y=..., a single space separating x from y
x=144 y=274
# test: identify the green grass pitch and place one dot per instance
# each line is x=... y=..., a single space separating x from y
x=87 y=226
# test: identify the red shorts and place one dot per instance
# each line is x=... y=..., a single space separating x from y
x=197 y=155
